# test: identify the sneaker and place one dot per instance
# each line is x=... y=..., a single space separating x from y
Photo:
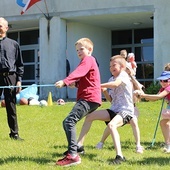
x=118 y=160
x=15 y=137
x=166 y=148
x=100 y=145
x=139 y=149
x=68 y=160
x=80 y=150
x=167 y=151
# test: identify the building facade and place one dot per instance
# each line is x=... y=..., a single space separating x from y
x=48 y=31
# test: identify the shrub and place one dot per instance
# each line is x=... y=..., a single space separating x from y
x=153 y=88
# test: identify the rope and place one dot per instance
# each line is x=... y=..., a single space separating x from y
x=37 y=85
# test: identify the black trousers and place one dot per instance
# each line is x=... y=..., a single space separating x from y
x=10 y=101
x=80 y=110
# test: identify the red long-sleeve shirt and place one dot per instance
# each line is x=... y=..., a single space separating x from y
x=87 y=78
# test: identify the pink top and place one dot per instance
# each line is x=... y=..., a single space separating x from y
x=167 y=98
x=87 y=78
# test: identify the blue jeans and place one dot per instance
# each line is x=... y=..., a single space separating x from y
x=80 y=110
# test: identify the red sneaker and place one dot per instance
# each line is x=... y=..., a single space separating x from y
x=68 y=160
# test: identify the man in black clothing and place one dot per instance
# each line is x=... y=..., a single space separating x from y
x=11 y=72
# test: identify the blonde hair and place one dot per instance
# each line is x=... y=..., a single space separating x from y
x=119 y=59
x=5 y=22
x=123 y=53
x=167 y=67
x=86 y=42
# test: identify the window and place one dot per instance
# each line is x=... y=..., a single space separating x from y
x=29 y=37
x=142 y=34
x=29 y=42
x=140 y=42
x=13 y=36
x=122 y=37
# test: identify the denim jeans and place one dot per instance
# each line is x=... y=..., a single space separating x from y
x=80 y=110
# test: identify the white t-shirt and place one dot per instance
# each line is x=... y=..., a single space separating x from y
x=122 y=97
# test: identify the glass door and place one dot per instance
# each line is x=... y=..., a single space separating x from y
x=30 y=54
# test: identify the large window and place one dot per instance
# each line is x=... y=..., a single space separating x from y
x=122 y=37
x=31 y=64
x=140 y=42
x=29 y=42
x=29 y=37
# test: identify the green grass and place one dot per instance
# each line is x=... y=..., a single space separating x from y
x=45 y=141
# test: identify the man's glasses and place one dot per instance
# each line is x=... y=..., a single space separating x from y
x=164 y=81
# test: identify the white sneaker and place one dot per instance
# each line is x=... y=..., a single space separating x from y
x=34 y=102
x=99 y=145
x=167 y=148
x=139 y=149
x=167 y=151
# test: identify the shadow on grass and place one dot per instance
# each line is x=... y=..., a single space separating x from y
x=86 y=155
x=146 y=145
x=23 y=159
x=161 y=161
x=56 y=154
x=153 y=145
x=60 y=147
x=125 y=145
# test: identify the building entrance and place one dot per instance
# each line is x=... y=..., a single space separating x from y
x=30 y=54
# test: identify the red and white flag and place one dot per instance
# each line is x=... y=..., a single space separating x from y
x=28 y=5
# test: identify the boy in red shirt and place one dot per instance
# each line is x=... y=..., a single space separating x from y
x=86 y=77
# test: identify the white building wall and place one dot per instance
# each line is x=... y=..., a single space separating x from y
x=55 y=48
x=10 y=8
x=52 y=50
x=161 y=36
x=77 y=5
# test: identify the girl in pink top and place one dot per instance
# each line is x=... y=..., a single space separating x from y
x=163 y=93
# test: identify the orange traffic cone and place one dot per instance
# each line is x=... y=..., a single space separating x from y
x=50 y=101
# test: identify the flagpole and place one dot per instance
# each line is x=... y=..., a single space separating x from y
x=48 y=17
x=42 y=11
x=47 y=10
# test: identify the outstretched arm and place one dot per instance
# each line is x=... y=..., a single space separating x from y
x=111 y=84
x=60 y=84
x=152 y=97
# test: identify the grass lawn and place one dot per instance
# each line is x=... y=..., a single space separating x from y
x=45 y=141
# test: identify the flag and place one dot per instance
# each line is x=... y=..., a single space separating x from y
x=28 y=5
x=20 y=3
